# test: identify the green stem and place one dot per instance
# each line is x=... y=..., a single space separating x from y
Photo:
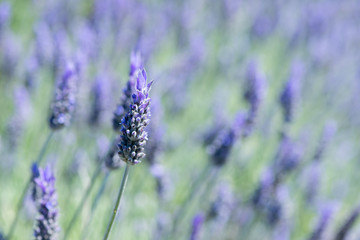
x=116 y=208
x=24 y=191
x=83 y=200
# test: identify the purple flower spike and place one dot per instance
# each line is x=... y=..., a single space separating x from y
x=196 y=226
x=46 y=226
x=349 y=223
x=220 y=149
x=290 y=94
x=288 y=157
x=64 y=101
x=322 y=224
x=133 y=135
x=254 y=93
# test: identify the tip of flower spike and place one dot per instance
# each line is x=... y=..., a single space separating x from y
x=35 y=170
x=141 y=80
x=136 y=62
x=71 y=69
x=142 y=87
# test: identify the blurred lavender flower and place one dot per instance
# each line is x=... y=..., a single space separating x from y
x=267 y=198
x=86 y=38
x=219 y=151
x=322 y=224
x=254 y=93
x=197 y=222
x=136 y=63
x=290 y=94
x=287 y=158
x=265 y=22
x=64 y=101
x=35 y=173
x=5 y=15
x=218 y=124
x=266 y=187
x=273 y=210
x=212 y=134
x=133 y=135
x=100 y=91
x=2 y=236
x=47 y=221
x=347 y=225
x=223 y=205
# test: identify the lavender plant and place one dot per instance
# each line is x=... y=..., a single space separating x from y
x=110 y=160
x=46 y=226
x=133 y=136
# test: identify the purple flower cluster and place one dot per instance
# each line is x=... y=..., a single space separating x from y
x=46 y=227
x=287 y=158
x=254 y=93
x=63 y=105
x=133 y=136
x=221 y=147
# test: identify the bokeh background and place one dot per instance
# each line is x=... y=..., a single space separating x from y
x=202 y=55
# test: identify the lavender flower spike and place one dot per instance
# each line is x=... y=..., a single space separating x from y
x=196 y=226
x=289 y=96
x=46 y=227
x=64 y=101
x=349 y=223
x=133 y=135
x=322 y=224
x=220 y=150
x=254 y=92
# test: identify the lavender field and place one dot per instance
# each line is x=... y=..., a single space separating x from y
x=167 y=120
